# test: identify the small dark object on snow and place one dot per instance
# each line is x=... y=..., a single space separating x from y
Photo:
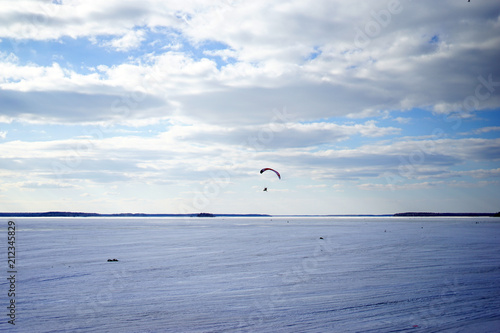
x=110 y=260
x=321 y=238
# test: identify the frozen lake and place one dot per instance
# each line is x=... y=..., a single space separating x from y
x=380 y=274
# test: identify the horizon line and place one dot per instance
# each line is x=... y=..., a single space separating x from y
x=203 y=214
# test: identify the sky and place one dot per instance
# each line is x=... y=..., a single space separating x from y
x=364 y=107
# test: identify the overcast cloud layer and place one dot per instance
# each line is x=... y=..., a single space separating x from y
x=174 y=107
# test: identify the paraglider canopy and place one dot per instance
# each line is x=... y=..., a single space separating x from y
x=266 y=169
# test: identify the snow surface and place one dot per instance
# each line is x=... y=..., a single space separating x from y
x=380 y=274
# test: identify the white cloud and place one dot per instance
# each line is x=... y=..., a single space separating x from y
x=368 y=113
x=271 y=49
x=399 y=187
x=402 y=120
x=130 y=40
x=487 y=129
x=426 y=185
x=480 y=173
x=176 y=154
x=45 y=185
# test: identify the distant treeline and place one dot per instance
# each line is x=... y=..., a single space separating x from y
x=446 y=214
x=81 y=214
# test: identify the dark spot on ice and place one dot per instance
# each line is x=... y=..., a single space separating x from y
x=110 y=260
x=321 y=238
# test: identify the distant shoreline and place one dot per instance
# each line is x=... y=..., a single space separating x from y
x=83 y=214
x=446 y=214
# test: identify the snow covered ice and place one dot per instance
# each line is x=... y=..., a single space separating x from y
x=266 y=274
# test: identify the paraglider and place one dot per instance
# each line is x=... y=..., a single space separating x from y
x=265 y=169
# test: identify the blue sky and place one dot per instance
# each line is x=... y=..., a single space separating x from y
x=166 y=107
